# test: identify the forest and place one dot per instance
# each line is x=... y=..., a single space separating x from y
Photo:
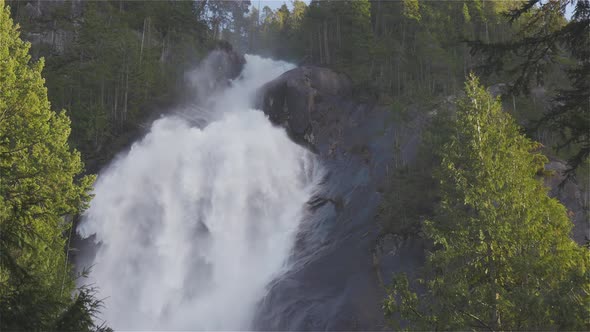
x=499 y=89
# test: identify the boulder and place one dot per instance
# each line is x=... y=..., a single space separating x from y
x=291 y=99
x=215 y=71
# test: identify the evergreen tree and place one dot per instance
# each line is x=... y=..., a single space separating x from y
x=503 y=259
x=40 y=185
x=120 y=58
x=544 y=39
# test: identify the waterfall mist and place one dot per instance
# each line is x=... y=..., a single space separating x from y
x=201 y=214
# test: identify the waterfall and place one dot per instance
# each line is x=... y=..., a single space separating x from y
x=198 y=217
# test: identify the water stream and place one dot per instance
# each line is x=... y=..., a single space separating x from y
x=197 y=219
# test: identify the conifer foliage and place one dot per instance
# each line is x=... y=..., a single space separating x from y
x=544 y=40
x=39 y=186
x=502 y=259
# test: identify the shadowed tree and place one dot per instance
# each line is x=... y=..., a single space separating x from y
x=544 y=39
x=503 y=258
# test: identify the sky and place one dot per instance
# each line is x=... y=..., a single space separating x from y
x=569 y=11
x=276 y=4
x=273 y=4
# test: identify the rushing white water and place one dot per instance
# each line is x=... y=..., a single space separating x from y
x=193 y=223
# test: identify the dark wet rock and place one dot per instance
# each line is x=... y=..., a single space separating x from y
x=396 y=252
x=31 y=12
x=498 y=89
x=575 y=198
x=232 y=62
x=294 y=100
x=45 y=24
x=341 y=260
x=334 y=283
x=216 y=71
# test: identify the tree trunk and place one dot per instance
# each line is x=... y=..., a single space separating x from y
x=320 y=45
x=126 y=92
x=326 y=47
x=162 y=54
x=390 y=84
x=377 y=19
x=403 y=36
x=142 y=41
x=102 y=93
x=338 y=32
x=149 y=32
x=495 y=296
x=513 y=103
x=116 y=103
x=399 y=82
x=311 y=45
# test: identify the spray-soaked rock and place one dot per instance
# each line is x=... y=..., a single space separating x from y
x=574 y=196
x=334 y=283
x=291 y=100
x=215 y=72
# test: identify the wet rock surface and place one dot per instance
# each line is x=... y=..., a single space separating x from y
x=575 y=198
x=301 y=100
x=215 y=72
x=43 y=30
x=335 y=282
x=341 y=261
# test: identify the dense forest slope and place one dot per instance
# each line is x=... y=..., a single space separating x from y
x=411 y=189
x=112 y=64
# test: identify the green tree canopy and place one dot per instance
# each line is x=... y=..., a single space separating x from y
x=39 y=186
x=546 y=38
x=503 y=259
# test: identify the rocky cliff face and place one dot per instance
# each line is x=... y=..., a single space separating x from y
x=335 y=283
x=342 y=260
x=49 y=25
